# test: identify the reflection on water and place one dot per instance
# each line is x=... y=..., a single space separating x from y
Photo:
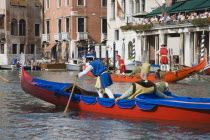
x=25 y=117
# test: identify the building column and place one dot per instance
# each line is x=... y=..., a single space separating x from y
x=138 y=47
x=181 y=52
x=208 y=53
x=156 y=49
x=187 y=49
x=162 y=39
x=18 y=48
x=146 y=51
x=191 y=47
x=142 y=59
x=196 y=52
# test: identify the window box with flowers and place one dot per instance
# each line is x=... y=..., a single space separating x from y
x=136 y=27
x=200 y=21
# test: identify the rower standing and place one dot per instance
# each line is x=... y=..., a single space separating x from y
x=163 y=52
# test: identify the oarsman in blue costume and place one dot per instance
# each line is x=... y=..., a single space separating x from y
x=100 y=71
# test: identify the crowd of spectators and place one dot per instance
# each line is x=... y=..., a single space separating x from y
x=171 y=18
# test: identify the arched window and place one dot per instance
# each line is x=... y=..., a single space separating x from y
x=143 y=5
x=130 y=48
x=22 y=27
x=123 y=7
x=137 y=6
x=14 y=29
x=112 y=10
x=131 y=7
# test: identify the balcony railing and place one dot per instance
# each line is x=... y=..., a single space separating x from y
x=103 y=36
x=174 y=24
x=45 y=37
x=65 y=36
x=57 y=36
x=82 y=36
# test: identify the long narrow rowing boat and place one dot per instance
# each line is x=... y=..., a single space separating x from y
x=171 y=76
x=145 y=106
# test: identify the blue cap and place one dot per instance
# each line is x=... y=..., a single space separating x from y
x=90 y=55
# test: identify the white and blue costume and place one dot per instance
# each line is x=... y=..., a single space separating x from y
x=103 y=77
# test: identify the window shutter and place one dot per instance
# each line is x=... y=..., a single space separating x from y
x=14 y=2
x=22 y=3
x=37 y=3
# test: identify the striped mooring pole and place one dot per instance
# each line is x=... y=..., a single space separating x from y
x=202 y=45
x=133 y=51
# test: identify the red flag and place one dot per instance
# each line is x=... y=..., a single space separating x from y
x=119 y=9
x=168 y=3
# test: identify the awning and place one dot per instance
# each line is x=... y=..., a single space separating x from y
x=167 y=9
x=14 y=2
x=203 y=6
x=49 y=47
x=188 y=6
x=140 y=15
x=37 y=3
x=22 y=3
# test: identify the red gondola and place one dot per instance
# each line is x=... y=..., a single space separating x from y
x=171 y=76
x=176 y=108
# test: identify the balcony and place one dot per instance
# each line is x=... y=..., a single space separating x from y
x=57 y=36
x=103 y=36
x=175 y=24
x=82 y=36
x=45 y=37
x=65 y=36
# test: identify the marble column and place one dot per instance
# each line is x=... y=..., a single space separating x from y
x=143 y=48
x=162 y=39
x=181 y=49
x=208 y=53
x=196 y=52
x=156 y=49
x=191 y=47
x=187 y=55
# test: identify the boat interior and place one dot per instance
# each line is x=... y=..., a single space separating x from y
x=80 y=91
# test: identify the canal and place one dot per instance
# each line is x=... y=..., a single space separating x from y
x=23 y=116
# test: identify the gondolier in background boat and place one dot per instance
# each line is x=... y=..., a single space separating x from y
x=121 y=64
x=15 y=61
x=100 y=71
x=163 y=53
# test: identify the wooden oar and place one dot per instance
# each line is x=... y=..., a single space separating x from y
x=75 y=81
x=4 y=79
x=203 y=77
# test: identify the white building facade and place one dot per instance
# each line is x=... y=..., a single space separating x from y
x=183 y=39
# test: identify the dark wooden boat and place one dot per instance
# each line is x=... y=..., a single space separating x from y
x=33 y=68
x=171 y=76
x=176 y=108
x=53 y=66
